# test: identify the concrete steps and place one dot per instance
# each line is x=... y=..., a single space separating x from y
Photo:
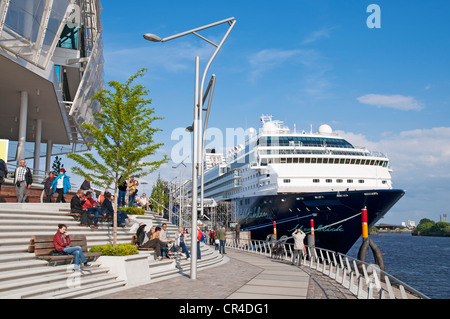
x=24 y=276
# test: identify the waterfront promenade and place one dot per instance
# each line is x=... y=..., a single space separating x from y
x=244 y=276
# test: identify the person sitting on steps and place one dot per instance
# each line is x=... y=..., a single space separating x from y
x=91 y=206
x=107 y=207
x=76 y=207
x=155 y=243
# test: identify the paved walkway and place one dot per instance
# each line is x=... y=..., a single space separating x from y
x=244 y=276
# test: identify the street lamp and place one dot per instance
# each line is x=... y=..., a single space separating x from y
x=198 y=137
x=180 y=210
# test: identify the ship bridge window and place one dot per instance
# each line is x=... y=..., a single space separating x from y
x=286 y=180
x=328 y=180
x=303 y=141
x=316 y=180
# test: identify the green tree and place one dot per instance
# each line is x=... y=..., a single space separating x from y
x=424 y=226
x=159 y=196
x=57 y=165
x=123 y=138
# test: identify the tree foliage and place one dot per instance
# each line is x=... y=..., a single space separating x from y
x=428 y=227
x=159 y=196
x=123 y=137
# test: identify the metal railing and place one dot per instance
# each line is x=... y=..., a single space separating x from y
x=362 y=279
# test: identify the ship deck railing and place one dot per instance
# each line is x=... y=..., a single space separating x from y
x=362 y=279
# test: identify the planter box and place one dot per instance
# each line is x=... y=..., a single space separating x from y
x=133 y=268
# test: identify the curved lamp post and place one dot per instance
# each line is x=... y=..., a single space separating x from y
x=198 y=138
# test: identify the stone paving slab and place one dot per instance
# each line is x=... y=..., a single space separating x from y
x=245 y=276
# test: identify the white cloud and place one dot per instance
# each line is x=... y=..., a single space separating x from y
x=268 y=59
x=421 y=165
x=399 y=102
x=424 y=150
x=175 y=57
x=317 y=35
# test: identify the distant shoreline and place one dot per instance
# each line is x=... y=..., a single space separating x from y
x=397 y=231
x=431 y=234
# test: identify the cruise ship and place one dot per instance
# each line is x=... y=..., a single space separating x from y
x=291 y=177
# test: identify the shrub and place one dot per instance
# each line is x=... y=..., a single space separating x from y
x=133 y=210
x=119 y=250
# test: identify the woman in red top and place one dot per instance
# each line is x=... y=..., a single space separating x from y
x=61 y=240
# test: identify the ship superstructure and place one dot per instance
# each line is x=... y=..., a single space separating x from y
x=290 y=176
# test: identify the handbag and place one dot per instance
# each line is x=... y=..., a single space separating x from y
x=58 y=253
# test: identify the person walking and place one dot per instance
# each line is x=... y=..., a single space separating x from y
x=179 y=242
x=61 y=240
x=3 y=172
x=22 y=180
x=86 y=185
x=122 y=192
x=47 y=187
x=61 y=185
x=222 y=235
x=199 y=239
x=299 y=246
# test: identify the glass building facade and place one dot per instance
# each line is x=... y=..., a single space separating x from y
x=51 y=55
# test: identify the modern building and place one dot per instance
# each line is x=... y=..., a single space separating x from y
x=51 y=63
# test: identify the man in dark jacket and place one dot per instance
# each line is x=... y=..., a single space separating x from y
x=108 y=208
x=76 y=206
x=3 y=172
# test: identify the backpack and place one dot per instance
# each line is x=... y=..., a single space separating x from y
x=199 y=234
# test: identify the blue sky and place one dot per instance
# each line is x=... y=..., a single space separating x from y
x=306 y=63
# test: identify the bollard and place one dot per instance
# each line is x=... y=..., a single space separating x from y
x=275 y=230
x=365 y=228
x=368 y=243
x=311 y=236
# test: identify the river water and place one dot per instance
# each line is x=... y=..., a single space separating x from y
x=421 y=262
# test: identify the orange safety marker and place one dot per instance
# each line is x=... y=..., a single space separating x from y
x=274 y=228
x=312 y=226
x=365 y=227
